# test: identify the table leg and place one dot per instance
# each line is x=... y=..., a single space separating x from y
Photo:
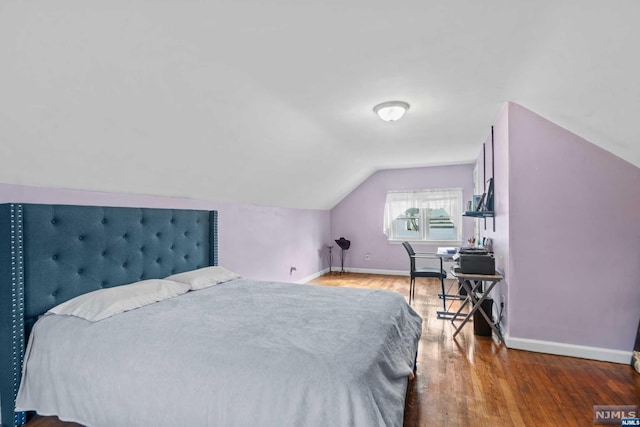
x=445 y=313
x=476 y=305
x=470 y=299
x=444 y=298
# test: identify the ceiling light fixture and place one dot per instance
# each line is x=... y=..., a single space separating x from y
x=391 y=111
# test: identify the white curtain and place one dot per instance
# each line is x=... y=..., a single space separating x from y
x=397 y=203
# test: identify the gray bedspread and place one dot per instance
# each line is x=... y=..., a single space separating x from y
x=242 y=353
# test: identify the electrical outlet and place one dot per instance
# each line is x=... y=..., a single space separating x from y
x=367 y=257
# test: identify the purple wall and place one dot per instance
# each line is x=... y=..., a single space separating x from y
x=257 y=242
x=573 y=236
x=359 y=216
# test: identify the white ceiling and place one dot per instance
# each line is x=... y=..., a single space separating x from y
x=270 y=102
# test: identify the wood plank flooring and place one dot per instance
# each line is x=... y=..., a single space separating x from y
x=473 y=381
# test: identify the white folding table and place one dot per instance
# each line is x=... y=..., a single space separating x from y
x=471 y=283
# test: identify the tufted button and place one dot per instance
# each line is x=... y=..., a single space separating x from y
x=124 y=265
x=141 y=220
x=158 y=260
x=172 y=247
x=104 y=220
x=186 y=257
x=158 y=234
x=104 y=253
x=80 y=237
x=55 y=257
x=197 y=244
x=53 y=221
x=142 y=249
x=125 y=235
x=80 y=271
x=172 y=221
x=54 y=293
x=104 y=282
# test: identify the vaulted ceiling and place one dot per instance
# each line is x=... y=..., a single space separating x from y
x=270 y=102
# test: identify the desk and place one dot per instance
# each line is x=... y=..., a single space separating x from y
x=476 y=303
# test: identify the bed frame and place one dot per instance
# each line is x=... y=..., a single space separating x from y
x=52 y=253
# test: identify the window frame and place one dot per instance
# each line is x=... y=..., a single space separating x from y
x=423 y=198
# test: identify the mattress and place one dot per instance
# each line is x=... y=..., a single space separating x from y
x=241 y=353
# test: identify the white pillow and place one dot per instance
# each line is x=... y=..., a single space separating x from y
x=103 y=303
x=204 y=277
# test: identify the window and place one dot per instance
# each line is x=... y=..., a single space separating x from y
x=425 y=215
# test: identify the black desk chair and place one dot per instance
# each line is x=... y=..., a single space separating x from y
x=433 y=272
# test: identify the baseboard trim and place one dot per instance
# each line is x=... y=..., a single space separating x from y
x=377 y=271
x=355 y=270
x=571 y=350
x=313 y=276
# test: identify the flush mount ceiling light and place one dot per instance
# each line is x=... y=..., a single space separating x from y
x=391 y=111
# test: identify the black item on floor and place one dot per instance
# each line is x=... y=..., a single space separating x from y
x=344 y=245
x=477 y=264
x=480 y=325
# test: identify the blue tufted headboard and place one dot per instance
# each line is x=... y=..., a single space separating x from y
x=52 y=253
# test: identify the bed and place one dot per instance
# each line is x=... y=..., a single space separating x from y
x=238 y=352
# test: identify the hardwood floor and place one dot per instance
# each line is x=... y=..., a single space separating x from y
x=473 y=381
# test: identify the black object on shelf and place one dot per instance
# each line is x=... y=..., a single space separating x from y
x=344 y=246
x=488 y=203
x=479 y=214
x=486 y=206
